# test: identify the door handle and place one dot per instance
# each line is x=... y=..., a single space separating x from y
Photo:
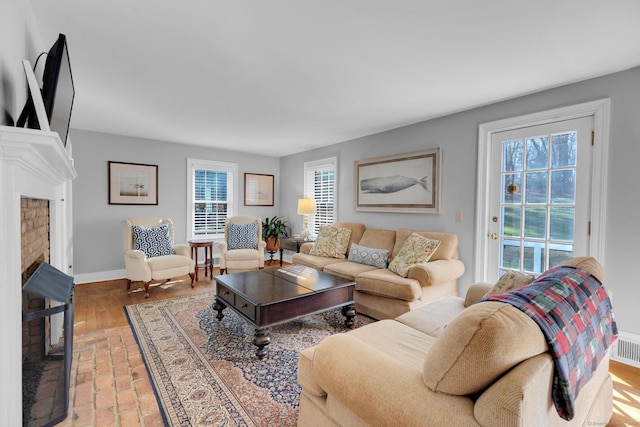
x=494 y=236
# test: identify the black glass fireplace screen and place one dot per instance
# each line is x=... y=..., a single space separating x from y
x=46 y=371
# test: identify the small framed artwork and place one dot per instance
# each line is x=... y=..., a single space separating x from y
x=133 y=184
x=407 y=182
x=258 y=189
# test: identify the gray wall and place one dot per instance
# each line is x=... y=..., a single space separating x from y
x=457 y=134
x=96 y=224
x=19 y=39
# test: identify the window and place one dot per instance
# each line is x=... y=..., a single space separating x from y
x=212 y=190
x=320 y=180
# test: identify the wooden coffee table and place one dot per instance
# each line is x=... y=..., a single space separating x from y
x=273 y=296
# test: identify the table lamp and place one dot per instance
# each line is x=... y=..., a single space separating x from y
x=306 y=207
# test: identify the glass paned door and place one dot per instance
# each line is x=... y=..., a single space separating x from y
x=539 y=196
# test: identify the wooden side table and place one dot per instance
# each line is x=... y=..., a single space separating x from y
x=291 y=244
x=208 y=255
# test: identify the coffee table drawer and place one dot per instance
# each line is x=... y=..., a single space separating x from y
x=245 y=307
x=226 y=294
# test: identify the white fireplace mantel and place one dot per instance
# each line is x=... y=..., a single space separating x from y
x=33 y=164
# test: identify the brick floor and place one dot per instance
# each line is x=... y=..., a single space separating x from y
x=109 y=383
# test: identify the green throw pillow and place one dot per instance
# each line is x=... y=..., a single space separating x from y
x=415 y=250
x=509 y=281
x=331 y=242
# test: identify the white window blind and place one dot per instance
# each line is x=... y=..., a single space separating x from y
x=211 y=202
x=320 y=178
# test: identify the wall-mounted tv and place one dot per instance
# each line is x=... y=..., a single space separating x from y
x=57 y=92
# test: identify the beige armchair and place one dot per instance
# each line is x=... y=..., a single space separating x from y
x=240 y=251
x=149 y=252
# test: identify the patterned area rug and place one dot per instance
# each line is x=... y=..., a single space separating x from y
x=205 y=372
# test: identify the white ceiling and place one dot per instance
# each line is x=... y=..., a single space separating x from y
x=285 y=76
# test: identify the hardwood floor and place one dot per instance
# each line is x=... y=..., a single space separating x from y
x=100 y=305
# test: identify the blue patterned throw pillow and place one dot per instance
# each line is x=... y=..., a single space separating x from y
x=369 y=256
x=243 y=236
x=154 y=241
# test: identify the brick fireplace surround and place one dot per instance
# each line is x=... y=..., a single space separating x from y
x=34 y=227
x=33 y=165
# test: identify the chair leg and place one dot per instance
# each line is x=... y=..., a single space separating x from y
x=193 y=276
x=146 y=289
x=222 y=271
x=128 y=287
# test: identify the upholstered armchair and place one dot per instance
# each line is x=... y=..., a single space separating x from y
x=149 y=252
x=243 y=247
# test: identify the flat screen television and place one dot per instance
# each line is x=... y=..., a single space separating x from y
x=57 y=92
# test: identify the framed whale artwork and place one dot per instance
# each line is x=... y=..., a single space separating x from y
x=407 y=182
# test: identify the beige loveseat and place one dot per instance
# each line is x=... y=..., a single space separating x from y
x=381 y=293
x=452 y=363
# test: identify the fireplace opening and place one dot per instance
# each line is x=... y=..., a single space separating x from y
x=47 y=322
x=46 y=368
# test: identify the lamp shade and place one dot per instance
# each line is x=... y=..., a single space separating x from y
x=306 y=206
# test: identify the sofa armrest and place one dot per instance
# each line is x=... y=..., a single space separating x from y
x=137 y=268
x=135 y=255
x=372 y=383
x=223 y=248
x=305 y=248
x=433 y=272
x=475 y=292
x=182 y=249
x=521 y=395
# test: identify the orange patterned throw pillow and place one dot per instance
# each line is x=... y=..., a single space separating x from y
x=331 y=242
x=415 y=250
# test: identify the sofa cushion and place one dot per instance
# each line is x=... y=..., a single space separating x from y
x=479 y=346
x=243 y=236
x=154 y=241
x=509 y=281
x=416 y=249
x=349 y=270
x=448 y=248
x=369 y=256
x=388 y=284
x=314 y=261
x=432 y=319
x=378 y=238
x=331 y=242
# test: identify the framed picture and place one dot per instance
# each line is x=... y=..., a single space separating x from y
x=133 y=184
x=258 y=189
x=401 y=183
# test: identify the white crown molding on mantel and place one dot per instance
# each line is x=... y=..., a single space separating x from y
x=33 y=164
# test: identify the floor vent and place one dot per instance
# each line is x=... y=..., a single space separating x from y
x=626 y=349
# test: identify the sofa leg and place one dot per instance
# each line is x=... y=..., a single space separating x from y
x=146 y=289
x=193 y=276
x=128 y=287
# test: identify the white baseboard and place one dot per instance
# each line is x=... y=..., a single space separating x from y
x=101 y=276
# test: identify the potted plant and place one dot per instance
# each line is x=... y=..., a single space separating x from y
x=272 y=229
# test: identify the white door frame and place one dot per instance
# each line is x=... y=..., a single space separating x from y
x=600 y=111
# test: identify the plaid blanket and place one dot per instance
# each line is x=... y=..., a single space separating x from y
x=574 y=312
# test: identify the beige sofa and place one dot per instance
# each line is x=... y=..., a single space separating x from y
x=380 y=293
x=452 y=363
